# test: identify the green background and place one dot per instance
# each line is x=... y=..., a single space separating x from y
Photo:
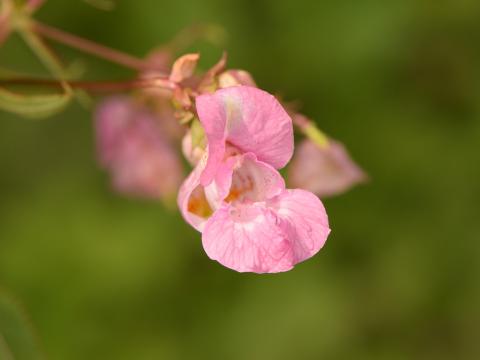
x=104 y=277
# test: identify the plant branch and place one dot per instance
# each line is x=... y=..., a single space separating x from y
x=33 y=5
x=90 y=47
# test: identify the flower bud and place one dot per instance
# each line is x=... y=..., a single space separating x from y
x=324 y=170
x=235 y=77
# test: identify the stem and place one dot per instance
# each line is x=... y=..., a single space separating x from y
x=310 y=130
x=5 y=14
x=33 y=5
x=48 y=59
x=90 y=47
x=95 y=86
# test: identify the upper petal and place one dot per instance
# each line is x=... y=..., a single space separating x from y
x=250 y=119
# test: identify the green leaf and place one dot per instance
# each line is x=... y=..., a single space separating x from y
x=17 y=337
x=33 y=106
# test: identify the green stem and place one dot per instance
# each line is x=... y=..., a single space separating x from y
x=310 y=130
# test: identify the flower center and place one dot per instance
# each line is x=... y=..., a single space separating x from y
x=242 y=188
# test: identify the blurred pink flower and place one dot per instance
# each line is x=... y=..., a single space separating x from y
x=133 y=149
x=325 y=171
x=235 y=196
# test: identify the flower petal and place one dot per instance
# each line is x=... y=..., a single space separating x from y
x=244 y=178
x=184 y=67
x=192 y=201
x=308 y=219
x=248 y=239
x=267 y=238
x=248 y=118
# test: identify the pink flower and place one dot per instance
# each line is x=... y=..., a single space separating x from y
x=133 y=149
x=325 y=171
x=235 y=196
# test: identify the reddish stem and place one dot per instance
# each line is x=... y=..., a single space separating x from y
x=90 y=47
x=34 y=5
x=96 y=86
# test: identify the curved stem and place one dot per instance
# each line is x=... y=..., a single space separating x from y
x=96 y=86
x=90 y=47
x=5 y=14
x=33 y=5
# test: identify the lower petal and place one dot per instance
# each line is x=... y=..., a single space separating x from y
x=249 y=238
x=308 y=219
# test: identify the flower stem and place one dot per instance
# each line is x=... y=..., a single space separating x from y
x=310 y=130
x=33 y=5
x=5 y=14
x=90 y=47
x=95 y=86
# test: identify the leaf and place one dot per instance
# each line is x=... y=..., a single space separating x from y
x=33 y=106
x=37 y=106
x=17 y=337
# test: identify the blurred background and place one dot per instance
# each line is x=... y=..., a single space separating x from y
x=105 y=277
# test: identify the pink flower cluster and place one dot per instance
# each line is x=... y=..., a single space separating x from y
x=235 y=135
x=237 y=138
x=235 y=196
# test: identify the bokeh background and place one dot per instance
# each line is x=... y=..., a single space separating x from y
x=105 y=277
